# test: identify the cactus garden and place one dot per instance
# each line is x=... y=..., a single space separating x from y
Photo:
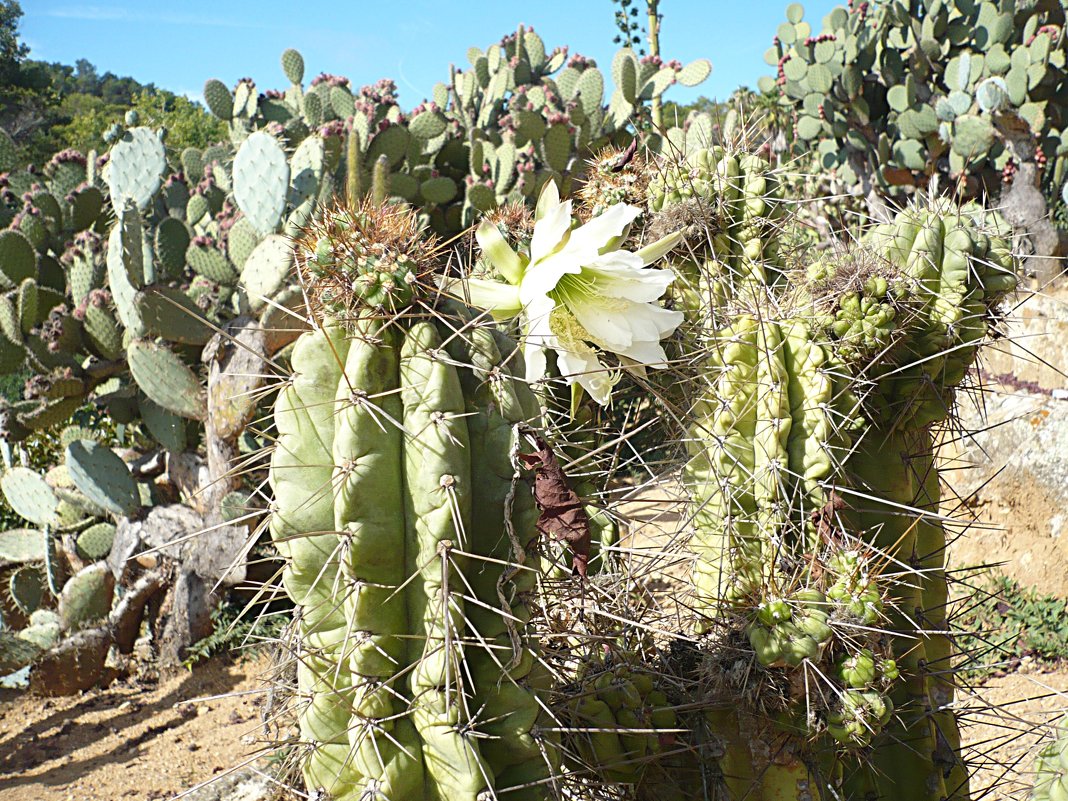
x=547 y=438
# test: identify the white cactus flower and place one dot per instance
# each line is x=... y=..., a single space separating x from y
x=578 y=293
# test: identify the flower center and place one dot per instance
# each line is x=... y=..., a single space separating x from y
x=580 y=290
x=575 y=287
x=569 y=330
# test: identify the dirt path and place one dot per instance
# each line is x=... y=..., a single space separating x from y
x=1004 y=720
x=134 y=740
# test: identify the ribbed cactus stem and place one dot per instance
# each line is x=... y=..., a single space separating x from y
x=404 y=532
x=303 y=530
x=380 y=180
x=906 y=750
x=938 y=646
x=353 y=165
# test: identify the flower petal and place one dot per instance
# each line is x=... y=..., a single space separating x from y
x=537 y=336
x=534 y=359
x=603 y=228
x=606 y=323
x=654 y=251
x=615 y=259
x=542 y=277
x=585 y=368
x=499 y=253
x=501 y=300
x=651 y=322
x=551 y=232
x=646 y=354
x=536 y=315
x=549 y=197
x=617 y=326
x=626 y=281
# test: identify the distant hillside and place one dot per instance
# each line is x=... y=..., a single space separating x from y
x=47 y=107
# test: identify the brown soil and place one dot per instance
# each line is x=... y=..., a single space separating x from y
x=137 y=739
x=1004 y=720
x=144 y=739
x=1017 y=536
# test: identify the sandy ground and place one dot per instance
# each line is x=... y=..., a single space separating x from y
x=154 y=739
x=1004 y=720
x=137 y=739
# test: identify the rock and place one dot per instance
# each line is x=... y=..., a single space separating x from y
x=1035 y=348
x=1020 y=442
x=246 y=784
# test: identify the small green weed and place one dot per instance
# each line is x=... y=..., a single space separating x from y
x=236 y=627
x=1008 y=623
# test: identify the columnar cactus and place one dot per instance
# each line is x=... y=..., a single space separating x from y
x=731 y=205
x=816 y=493
x=404 y=524
x=1051 y=769
x=118 y=274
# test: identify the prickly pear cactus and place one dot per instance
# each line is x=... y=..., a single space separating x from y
x=404 y=524
x=978 y=60
x=60 y=603
x=519 y=115
x=894 y=95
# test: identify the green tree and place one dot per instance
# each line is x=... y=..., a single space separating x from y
x=676 y=113
x=12 y=51
x=25 y=90
x=188 y=124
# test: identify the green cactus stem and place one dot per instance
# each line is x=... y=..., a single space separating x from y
x=397 y=508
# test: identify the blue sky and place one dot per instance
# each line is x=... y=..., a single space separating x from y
x=179 y=44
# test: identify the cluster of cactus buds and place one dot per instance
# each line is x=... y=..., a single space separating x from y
x=855 y=592
x=620 y=721
x=788 y=631
x=367 y=255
